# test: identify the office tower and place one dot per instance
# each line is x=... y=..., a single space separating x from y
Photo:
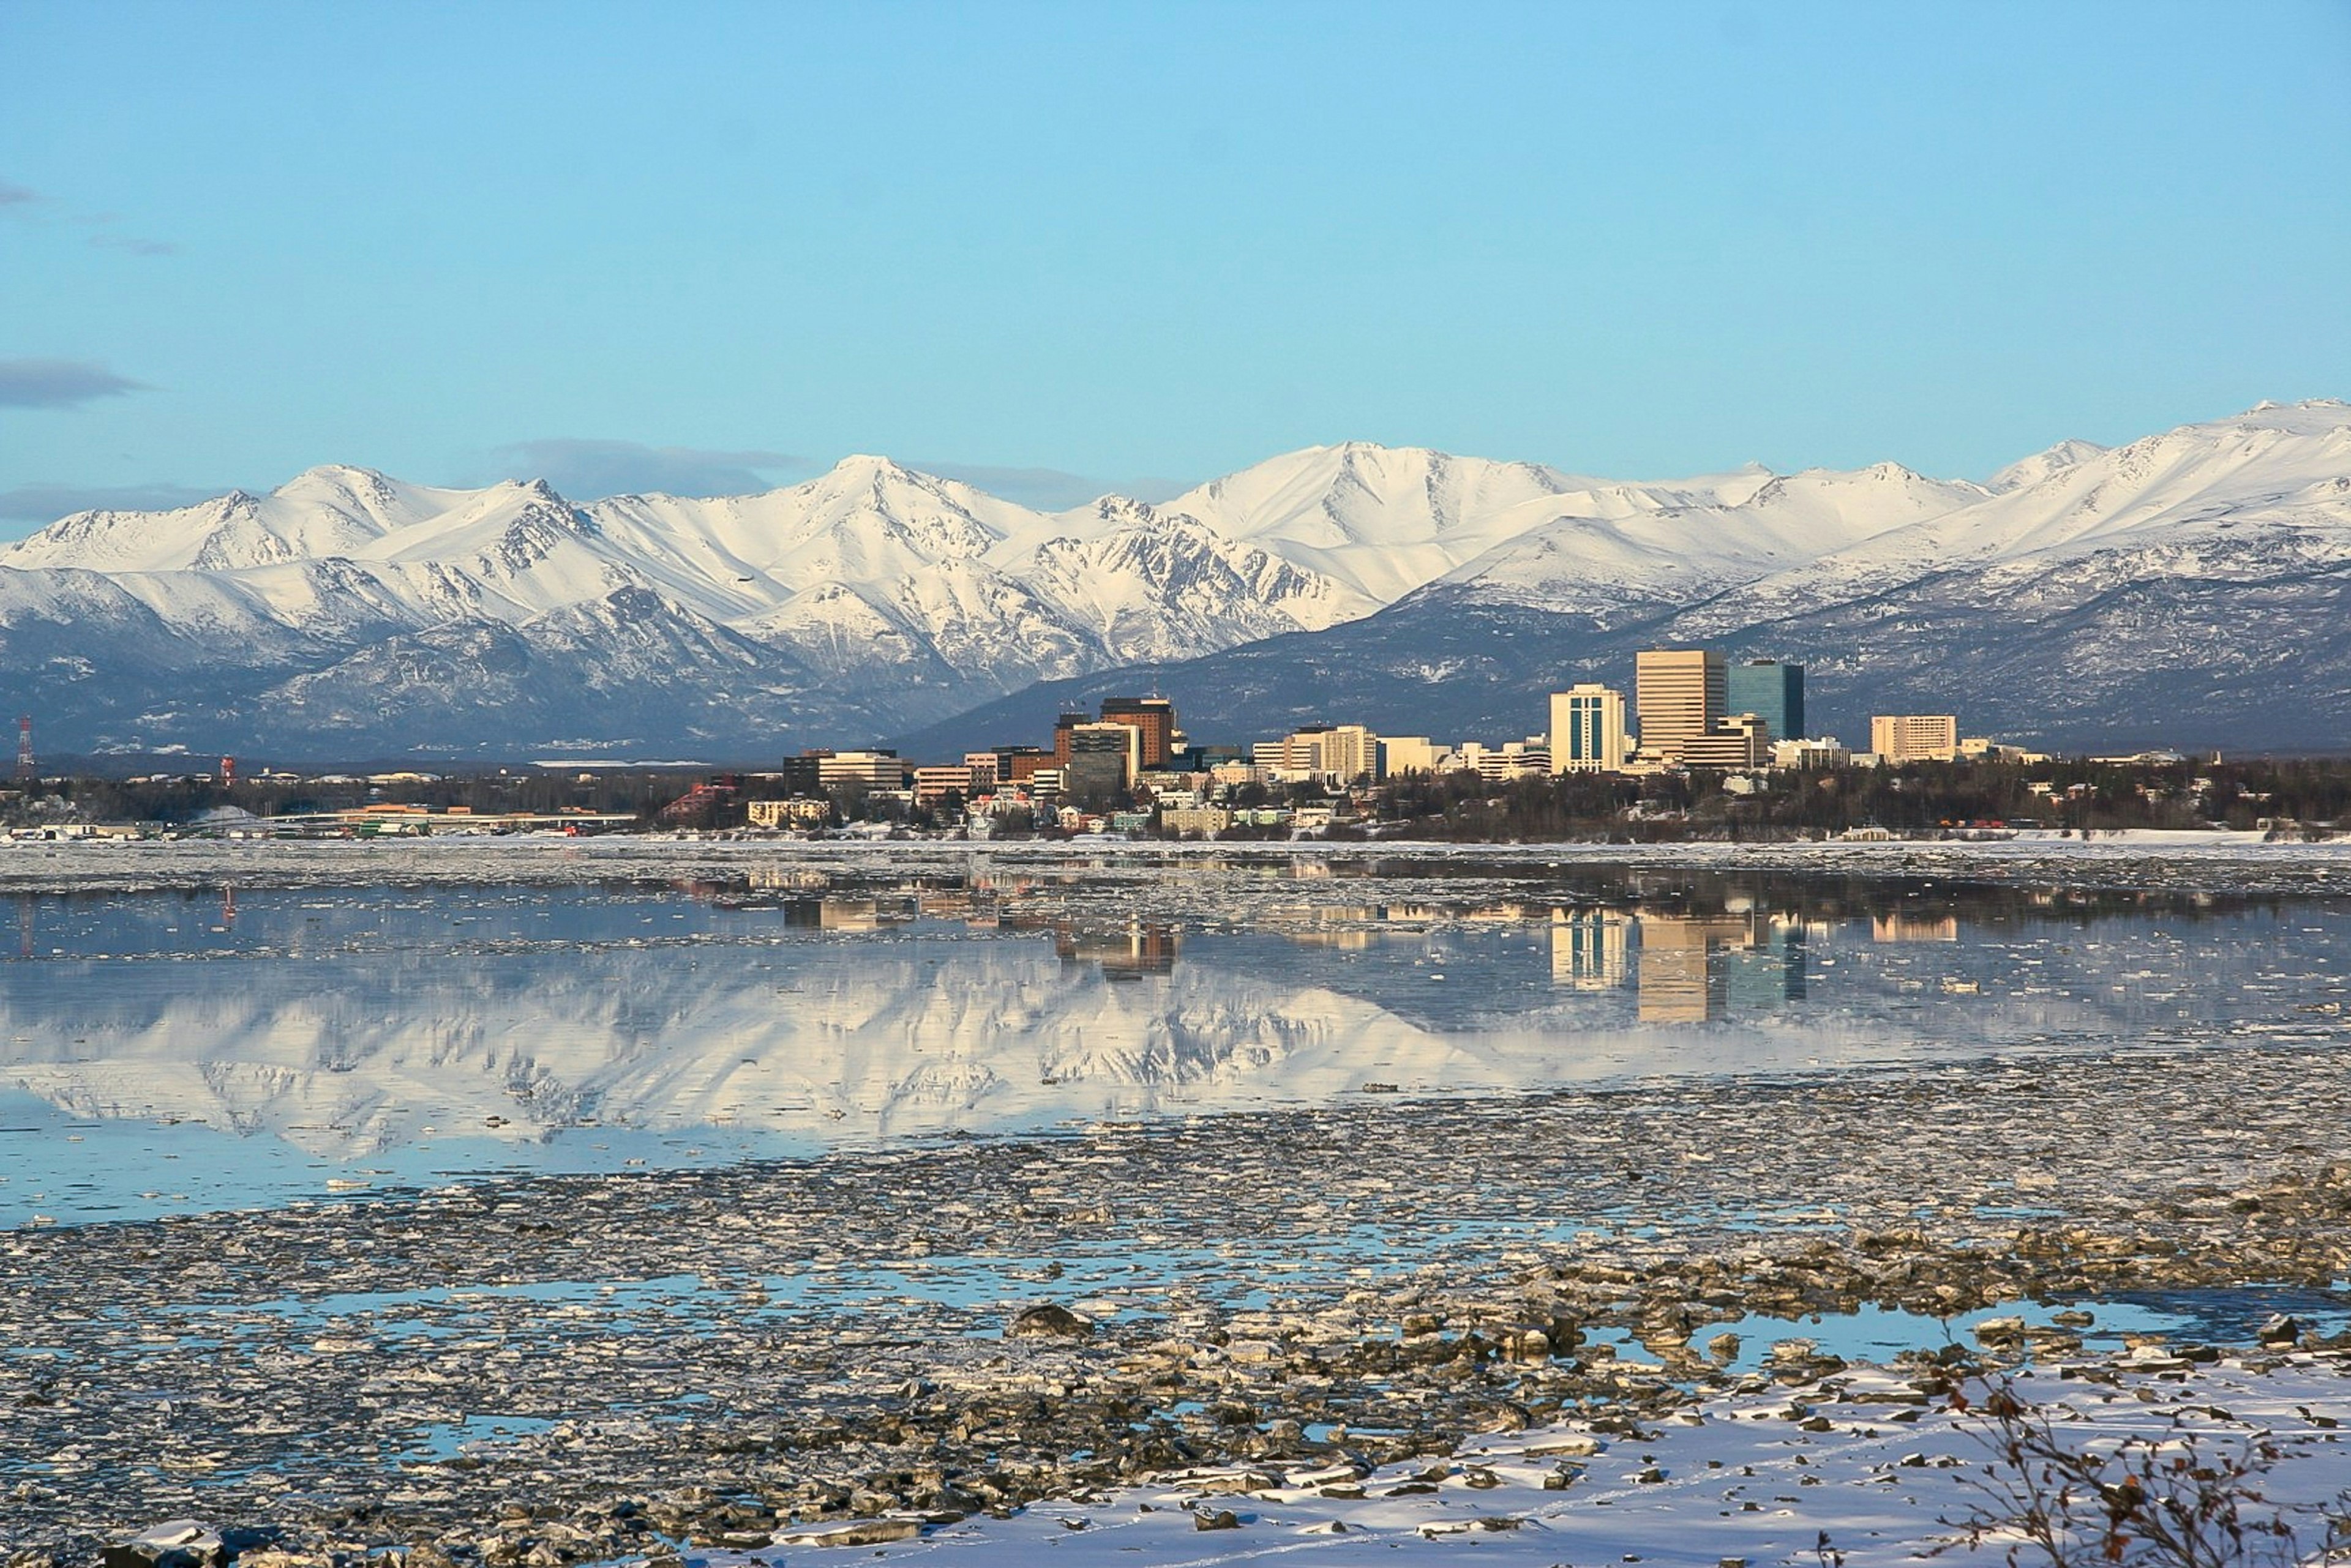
x=1350 y=752
x=1403 y=754
x=1771 y=691
x=1587 y=729
x=1153 y=716
x=1680 y=695
x=1104 y=760
x=878 y=769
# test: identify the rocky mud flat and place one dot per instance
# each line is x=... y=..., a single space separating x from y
x=569 y=1369
x=1855 y=1468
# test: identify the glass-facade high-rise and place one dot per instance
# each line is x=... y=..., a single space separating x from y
x=1771 y=691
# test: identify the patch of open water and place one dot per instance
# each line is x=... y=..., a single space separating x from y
x=184 y=1049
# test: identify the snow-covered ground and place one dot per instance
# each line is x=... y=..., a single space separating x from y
x=2220 y=857
x=1859 y=1470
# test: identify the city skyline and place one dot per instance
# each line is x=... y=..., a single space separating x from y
x=1001 y=781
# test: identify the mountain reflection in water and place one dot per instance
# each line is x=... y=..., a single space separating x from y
x=439 y=1031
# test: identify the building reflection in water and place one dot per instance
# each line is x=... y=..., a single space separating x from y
x=1143 y=947
x=1900 y=927
x=1685 y=969
x=1699 y=968
x=1590 y=949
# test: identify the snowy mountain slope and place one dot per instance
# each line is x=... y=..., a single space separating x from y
x=1384 y=520
x=2040 y=464
x=326 y=511
x=637 y=667
x=2252 y=661
x=2275 y=470
x=2192 y=589
x=886 y=590
x=70 y=625
x=1636 y=563
x=355 y=610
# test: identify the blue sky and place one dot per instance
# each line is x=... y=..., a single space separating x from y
x=1063 y=247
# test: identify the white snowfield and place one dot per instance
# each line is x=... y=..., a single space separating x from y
x=545 y=857
x=1858 y=1469
x=874 y=570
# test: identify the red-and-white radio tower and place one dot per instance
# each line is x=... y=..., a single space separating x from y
x=26 y=767
x=228 y=772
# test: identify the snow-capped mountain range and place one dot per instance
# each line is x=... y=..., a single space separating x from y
x=346 y=612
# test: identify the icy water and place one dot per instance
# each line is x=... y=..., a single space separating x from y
x=222 y=1046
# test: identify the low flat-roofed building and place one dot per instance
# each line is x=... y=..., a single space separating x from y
x=795 y=813
x=1821 y=752
x=1205 y=820
x=937 y=783
x=1900 y=737
x=1735 y=744
x=1402 y=754
x=871 y=769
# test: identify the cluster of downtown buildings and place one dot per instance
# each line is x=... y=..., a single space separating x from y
x=1690 y=708
x=1694 y=708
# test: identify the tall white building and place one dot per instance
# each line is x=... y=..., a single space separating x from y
x=1587 y=729
x=1351 y=752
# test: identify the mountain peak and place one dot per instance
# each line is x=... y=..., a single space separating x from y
x=863 y=466
x=920 y=596
x=2311 y=417
x=2024 y=471
x=336 y=473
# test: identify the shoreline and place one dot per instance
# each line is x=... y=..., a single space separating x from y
x=776 y=1347
x=105 y=866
